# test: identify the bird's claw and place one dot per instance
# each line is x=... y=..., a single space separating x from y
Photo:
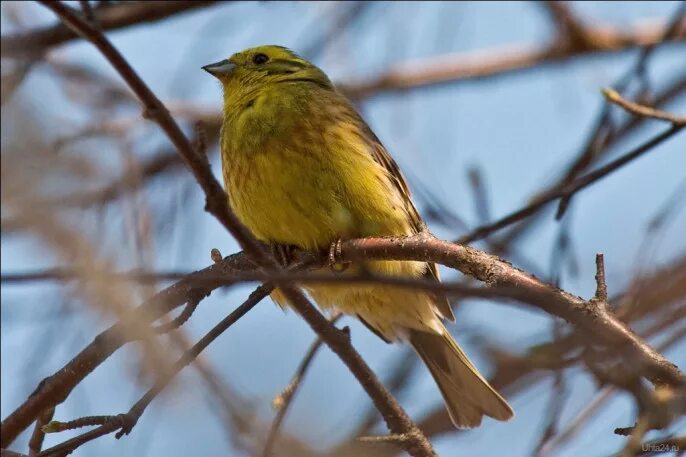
x=283 y=253
x=335 y=253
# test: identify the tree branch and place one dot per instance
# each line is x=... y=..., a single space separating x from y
x=642 y=110
x=459 y=67
x=566 y=190
x=110 y=17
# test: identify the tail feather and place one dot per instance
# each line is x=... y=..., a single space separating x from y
x=467 y=395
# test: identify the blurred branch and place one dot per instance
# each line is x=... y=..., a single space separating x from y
x=124 y=423
x=55 y=389
x=283 y=401
x=351 y=12
x=111 y=16
x=604 y=134
x=446 y=69
x=558 y=397
x=88 y=12
x=570 y=29
x=514 y=371
x=154 y=109
x=567 y=190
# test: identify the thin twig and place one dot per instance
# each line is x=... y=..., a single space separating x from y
x=641 y=110
x=182 y=318
x=284 y=400
x=601 y=284
x=86 y=421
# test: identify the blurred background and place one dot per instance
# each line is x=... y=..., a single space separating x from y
x=483 y=105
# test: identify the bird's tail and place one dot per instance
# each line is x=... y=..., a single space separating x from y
x=467 y=395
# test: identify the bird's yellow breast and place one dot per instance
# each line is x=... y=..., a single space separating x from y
x=309 y=180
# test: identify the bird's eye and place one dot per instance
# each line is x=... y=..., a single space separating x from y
x=260 y=59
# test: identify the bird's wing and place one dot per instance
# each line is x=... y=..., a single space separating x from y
x=384 y=158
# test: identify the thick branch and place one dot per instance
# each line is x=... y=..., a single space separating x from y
x=599 y=323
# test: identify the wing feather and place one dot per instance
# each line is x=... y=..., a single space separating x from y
x=382 y=157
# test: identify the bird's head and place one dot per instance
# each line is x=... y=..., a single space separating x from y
x=252 y=70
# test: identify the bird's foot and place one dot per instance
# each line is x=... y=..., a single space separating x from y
x=283 y=253
x=334 y=255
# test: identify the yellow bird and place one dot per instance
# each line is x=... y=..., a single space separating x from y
x=301 y=167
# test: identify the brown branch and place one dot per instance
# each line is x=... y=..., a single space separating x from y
x=110 y=17
x=597 y=322
x=38 y=435
x=642 y=110
x=514 y=372
x=446 y=69
x=88 y=12
x=8 y=453
x=397 y=421
x=570 y=29
x=284 y=278
x=601 y=284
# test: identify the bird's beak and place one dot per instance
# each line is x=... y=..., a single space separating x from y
x=219 y=69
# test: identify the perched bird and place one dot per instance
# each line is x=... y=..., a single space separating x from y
x=302 y=168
